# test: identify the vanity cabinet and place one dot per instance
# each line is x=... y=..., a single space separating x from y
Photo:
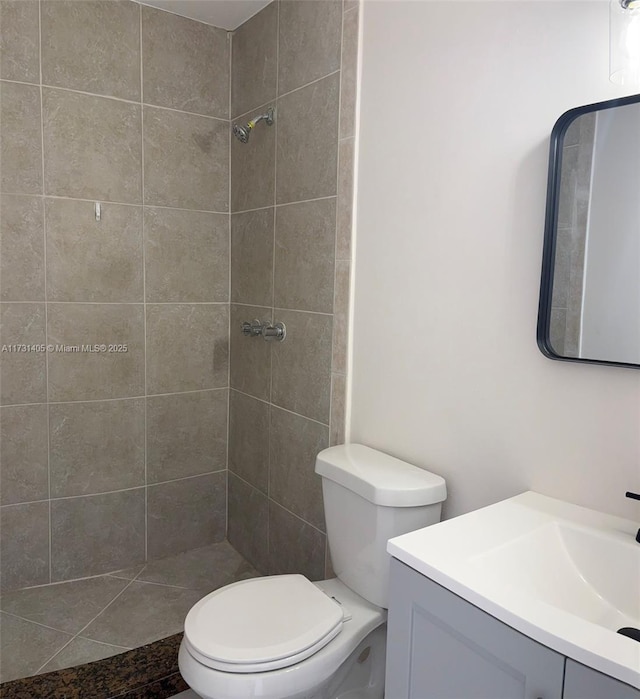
x=582 y=682
x=440 y=646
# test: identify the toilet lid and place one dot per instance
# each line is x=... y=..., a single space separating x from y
x=262 y=624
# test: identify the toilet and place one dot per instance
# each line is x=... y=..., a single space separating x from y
x=284 y=637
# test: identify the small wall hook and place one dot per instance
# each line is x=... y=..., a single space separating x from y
x=98 y=208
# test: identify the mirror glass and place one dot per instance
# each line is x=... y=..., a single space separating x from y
x=590 y=290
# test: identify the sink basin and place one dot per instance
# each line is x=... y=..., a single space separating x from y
x=564 y=575
x=579 y=570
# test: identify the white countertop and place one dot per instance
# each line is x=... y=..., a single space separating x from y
x=563 y=575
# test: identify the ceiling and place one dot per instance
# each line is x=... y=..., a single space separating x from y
x=226 y=14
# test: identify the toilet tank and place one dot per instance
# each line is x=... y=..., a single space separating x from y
x=370 y=497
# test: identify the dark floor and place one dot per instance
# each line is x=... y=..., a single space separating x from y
x=66 y=624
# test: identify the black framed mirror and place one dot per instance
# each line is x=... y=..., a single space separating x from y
x=589 y=307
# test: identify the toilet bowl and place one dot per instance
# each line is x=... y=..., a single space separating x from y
x=296 y=677
x=284 y=637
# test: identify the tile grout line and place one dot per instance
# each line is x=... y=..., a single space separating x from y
x=114 y=98
x=111 y=400
x=280 y=407
x=126 y=587
x=126 y=203
x=339 y=200
x=289 y=92
x=121 y=490
x=46 y=295
x=273 y=281
x=67 y=633
x=59 y=197
x=253 y=487
x=30 y=621
x=144 y=292
x=282 y=308
x=230 y=36
x=122 y=303
x=284 y=203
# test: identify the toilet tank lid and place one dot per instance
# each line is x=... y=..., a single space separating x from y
x=380 y=478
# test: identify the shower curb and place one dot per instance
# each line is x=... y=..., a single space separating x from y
x=149 y=672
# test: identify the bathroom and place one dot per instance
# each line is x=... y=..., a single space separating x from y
x=455 y=107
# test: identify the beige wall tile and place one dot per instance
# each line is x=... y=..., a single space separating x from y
x=351 y=5
x=79 y=50
x=302 y=365
x=294 y=545
x=93 y=376
x=186 y=64
x=338 y=409
x=89 y=260
x=96 y=447
x=187 y=347
x=307 y=157
x=349 y=84
x=92 y=147
x=253 y=166
x=305 y=255
x=186 y=160
x=250 y=356
x=249 y=439
x=248 y=522
x=186 y=256
x=310 y=34
x=186 y=434
x=341 y=317
x=24 y=473
x=84 y=540
x=24 y=545
x=20 y=139
x=186 y=514
x=22 y=373
x=293 y=446
x=20 y=41
x=254 y=61
x=21 y=249
x=252 y=237
x=345 y=198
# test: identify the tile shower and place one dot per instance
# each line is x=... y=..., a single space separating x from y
x=195 y=433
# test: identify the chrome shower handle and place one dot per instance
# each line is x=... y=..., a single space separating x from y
x=268 y=331
x=274 y=332
x=253 y=328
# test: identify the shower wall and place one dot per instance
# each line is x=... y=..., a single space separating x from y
x=291 y=194
x=112 y=454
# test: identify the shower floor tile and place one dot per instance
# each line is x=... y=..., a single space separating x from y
x=68 y=606
x=25 y=646
x=143 y=613
x=80 y=651
x=65 y=624
x=204 y=569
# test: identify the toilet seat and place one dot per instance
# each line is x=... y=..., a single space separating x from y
x=262 y=624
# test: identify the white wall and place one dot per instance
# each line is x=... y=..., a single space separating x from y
x=457 y=103
x=611 y=296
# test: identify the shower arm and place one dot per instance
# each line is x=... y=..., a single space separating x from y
x=267 y=116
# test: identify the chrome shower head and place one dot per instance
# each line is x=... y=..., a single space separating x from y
x=242 y=133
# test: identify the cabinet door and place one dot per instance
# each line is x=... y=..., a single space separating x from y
x=582 y=682
x=441 y=647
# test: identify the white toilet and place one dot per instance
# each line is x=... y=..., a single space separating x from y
x=283 y=637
